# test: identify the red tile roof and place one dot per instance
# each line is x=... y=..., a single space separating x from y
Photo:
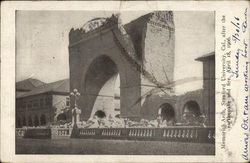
x=28 y=84
x=61 y=86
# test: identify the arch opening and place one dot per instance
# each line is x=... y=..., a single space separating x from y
x=100 y=114
x=24 y=121
x=30 y=123
x=61 y=117
x=102 y=87
x=191 y=112
x=36 y=121
x=166 y=112
x=43 y=120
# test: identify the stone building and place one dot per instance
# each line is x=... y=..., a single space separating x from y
x=141 y=55
x=208 y=61
x=43 y=104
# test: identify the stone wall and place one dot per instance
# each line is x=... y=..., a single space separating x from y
x=158 y=54
x=209 y=87
x=159 y=44
x=152 y=104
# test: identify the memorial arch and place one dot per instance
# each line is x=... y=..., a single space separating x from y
x=94 y=63
x=104 y=48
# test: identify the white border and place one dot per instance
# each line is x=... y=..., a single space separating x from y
x=8 y=72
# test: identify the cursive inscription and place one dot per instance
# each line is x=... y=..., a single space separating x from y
x=244 y=23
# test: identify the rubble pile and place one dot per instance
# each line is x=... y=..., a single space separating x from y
x=117 y=122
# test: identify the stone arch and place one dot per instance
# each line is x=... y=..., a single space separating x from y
x=98 y=84
x=97 y=75
x=182 y=100
x=192 y=107
x=105 y=47
x=100 y=114
x=191 y=112
x=36 y=121
x=30 y=121
x=24 y=121
x=167 y=112
x=117 y=116
x=61 y=117
x=43 y=120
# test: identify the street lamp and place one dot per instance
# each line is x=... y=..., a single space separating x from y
x=75 y=110
x=76 y=95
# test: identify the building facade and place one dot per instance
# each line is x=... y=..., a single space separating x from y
x=43 y=105
x=208 y=61
x=199 y=102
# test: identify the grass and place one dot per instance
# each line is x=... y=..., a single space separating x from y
x=110 y=147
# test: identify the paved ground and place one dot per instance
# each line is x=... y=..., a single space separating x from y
x=121 y=147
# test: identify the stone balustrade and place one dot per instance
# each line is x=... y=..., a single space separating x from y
x=172 y=133
x=140 y=133
x=111 y=132
x=63 y=131
x=87 y=132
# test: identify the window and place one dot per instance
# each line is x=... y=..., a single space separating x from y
x=30 y=122
x=67 y=101
x=24 y=121
x=35 y=103
x=43 y=120
x=30 y=105
x=24 y=105
x=36 y=121
x=48 y=100
x=41 y=102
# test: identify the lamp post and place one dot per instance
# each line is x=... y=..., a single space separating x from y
x=75 y=110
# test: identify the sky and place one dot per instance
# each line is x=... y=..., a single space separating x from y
x=42 y=42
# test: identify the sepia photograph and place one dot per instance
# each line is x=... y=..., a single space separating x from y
x=115 y=82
